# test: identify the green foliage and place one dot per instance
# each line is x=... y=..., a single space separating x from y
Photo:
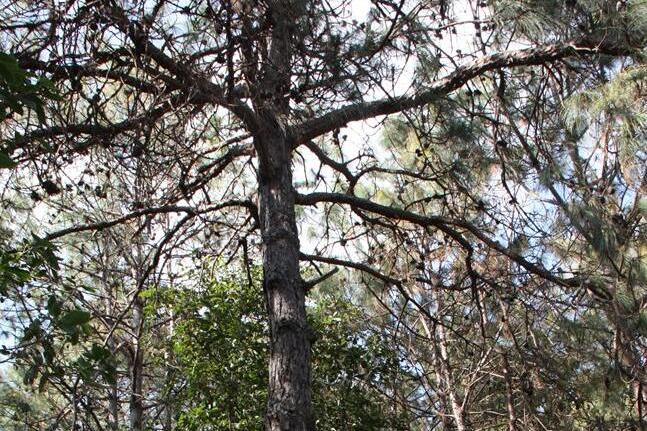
x=619 y=103
x=353 y=367
x=20 y=409
x=543 y=20
x=600 y=396
x=19 y=90
x=42 y=352
x=29 y=261
x=220 y=345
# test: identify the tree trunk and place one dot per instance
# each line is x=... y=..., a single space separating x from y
x=113 y=389
x=169 y=408
x=509 y=395
x=443 y=365
x=136 y=413
x=289 y=402
x=444 y=406
x=446 y=371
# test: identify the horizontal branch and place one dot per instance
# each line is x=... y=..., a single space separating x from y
x=330 y=121
x=309 y=284
x=353 y=265
x=93 y=129
x=449 y=226
x=70 y=71
x=155 y=210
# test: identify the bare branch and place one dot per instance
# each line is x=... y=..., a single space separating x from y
x=526 y=57
x=448 y=226
x=309 y=284
x=157 y=210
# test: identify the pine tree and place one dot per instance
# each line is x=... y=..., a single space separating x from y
x=229 y=97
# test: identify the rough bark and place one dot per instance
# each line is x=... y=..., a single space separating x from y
x=289 y=398
x=289 y=402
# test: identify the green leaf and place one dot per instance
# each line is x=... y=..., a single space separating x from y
x=74 y=318
x=32 y=331
x=46 y=250
x=85 y=369
x=6 y=162
x=53 y=306
x=48 y=352
x=98 y=353
x=42 y=383
x=109 y=373
x=10 y=71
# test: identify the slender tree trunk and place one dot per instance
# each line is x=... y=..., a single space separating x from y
x=445 y=407
x=113 y=389
x=446 y=371
x=640 y=413
x=509 y=395
x=113 y=397
x=169 y=409
x=143 y=190
x=289 y=402
x=136 y=412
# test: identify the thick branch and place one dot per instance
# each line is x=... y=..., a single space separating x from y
x=193 y=83
x=354 y=265
x=309 y=284
x=71 y=70
x=310 y=129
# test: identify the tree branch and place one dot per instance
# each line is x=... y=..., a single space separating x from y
x=73 y=70
x=193 y=83
x=156 y=210
x=448 y=226
x=354 y=265
x=309 y=284
x=330 y=121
